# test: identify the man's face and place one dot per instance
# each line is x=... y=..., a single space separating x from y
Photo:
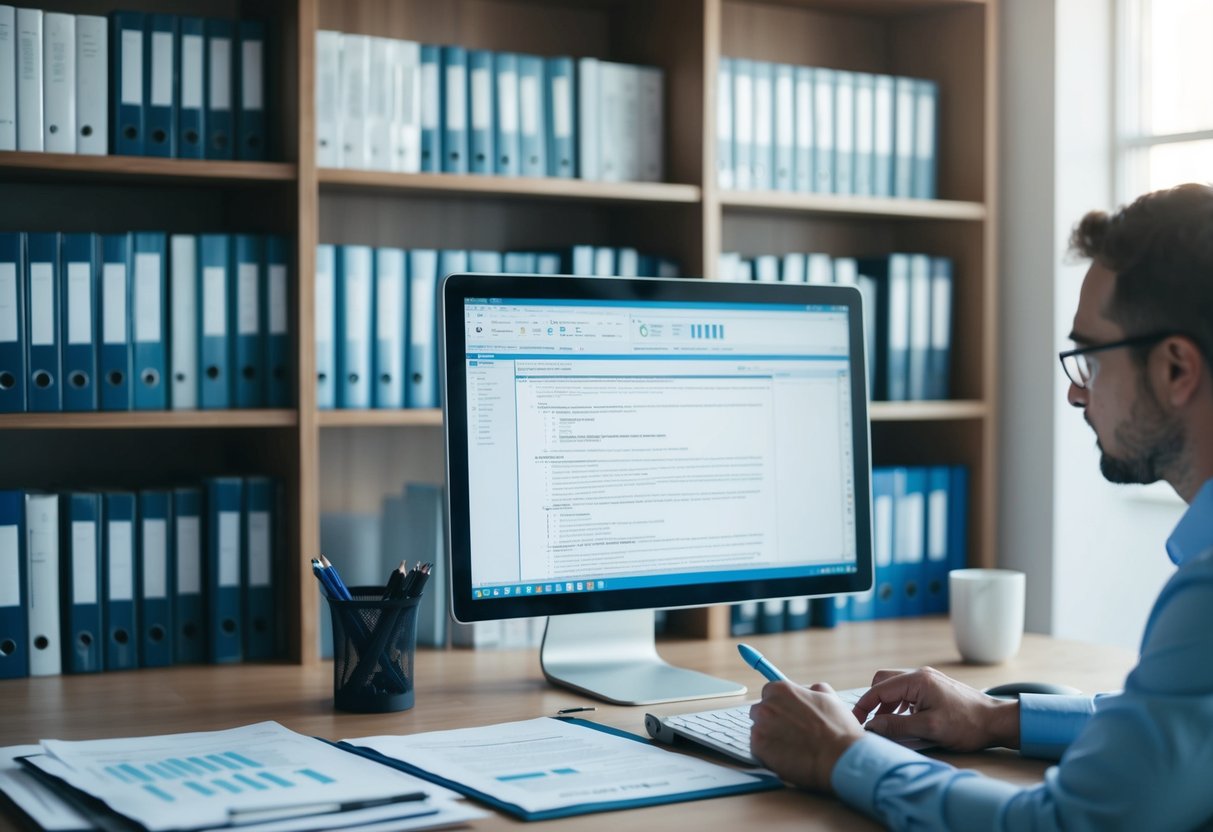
x=1138 y=439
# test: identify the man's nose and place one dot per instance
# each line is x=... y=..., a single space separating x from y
x=1076 y=396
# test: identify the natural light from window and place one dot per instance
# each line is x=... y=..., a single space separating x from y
x=1165 y=98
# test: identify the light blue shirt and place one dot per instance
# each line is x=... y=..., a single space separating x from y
x=1138 y=759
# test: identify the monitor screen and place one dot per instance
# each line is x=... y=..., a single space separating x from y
x=618 y=444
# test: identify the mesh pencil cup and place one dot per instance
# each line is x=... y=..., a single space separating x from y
x=373 y=646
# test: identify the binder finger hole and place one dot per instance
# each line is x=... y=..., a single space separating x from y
x=121 y=636
x=156 y=633
x=86 y=130
x=191 y=136
x=8 y=647
x=212 y=372
x=248 y=373
x=115 y=377
x=229 y=627
x=151 y=378
x=190 y=631
x=159 y=136
x=43 y=380
x=130 y=132
x=85 y=639
x=7 y=381
x=78 y=380
x=41 y=642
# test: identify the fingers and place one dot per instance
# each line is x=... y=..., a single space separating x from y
x=900 y=726
x=821 y=687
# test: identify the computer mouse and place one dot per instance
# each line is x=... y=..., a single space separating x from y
x=1011 y=690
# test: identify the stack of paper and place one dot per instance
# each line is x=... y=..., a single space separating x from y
x=263 y=778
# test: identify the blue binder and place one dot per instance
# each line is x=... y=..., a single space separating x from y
x=422 y=389
x=561 y=117
x=355 y=289
x=926 y=116
x=823 y=127
x=251 y=121
x=191 y=83
x=958 y=517
x=114 y=355
x=155 y=570
x=454 y=109
x=518 y=262
x=160 y=85
x=127 y=69
x=260 y=567
x=218 y=89
x=214 y=385
x=149 y=314
x=80 y=541
x=14 y=624
x=12 y=323
x=771 y=616
x=431 y=108
x=505 y=113
x=743 y=124
x=118 y=581
x=939 y=360
x=763 y=178
x=935 y=572
x=391 y=316
x=532 y=150
x=41 y=321
x=890 y=358
x=909 y=550
x=189 y=607
x=224 y=565
x=743 y=619
x=485 y=262
x=77 y=321
x=886 y=602
x=325 y=326
x=246 y=322
x=481 y=153
x=277 y=324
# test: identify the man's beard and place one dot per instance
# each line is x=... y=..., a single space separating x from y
x=1150 y=441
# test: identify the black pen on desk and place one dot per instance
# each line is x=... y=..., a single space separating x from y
x=579 y=709
x=320 y=808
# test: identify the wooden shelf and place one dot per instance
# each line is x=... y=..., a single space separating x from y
x=451 y=184
x=150 y=419
x=855 y=206
x=929 y=411
x=428 y=418
x=43 y=167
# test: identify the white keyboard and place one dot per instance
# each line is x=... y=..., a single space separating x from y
x=723 y=730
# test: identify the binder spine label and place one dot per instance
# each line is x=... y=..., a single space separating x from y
x=259 y=548
x=248 y=308
x=250 y=78
x=79 y=307
x=147 y=298
x=84 y=562
x=10 y=567
x=8 y=303
x=155 y=551
x=121 y=560
x=562 y=111
x=482 y=99
x=277 y=300
x=132 y=67
x=113 y=285
x=191 y=71
x=42 y=304
x=162 y=69
x=214 y=296
x=189 y=556
x=229 y=548
x=221 y=82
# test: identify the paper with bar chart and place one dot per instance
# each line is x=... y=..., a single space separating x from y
x=256 y=773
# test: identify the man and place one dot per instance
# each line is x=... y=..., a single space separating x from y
x=1140 y=759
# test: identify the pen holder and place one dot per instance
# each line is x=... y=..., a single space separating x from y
x=373 y=646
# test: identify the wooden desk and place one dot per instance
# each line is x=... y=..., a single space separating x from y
x=460 y=688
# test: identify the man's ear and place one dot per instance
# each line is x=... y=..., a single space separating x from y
x=1184 y=366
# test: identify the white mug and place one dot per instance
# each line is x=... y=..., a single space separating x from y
x=987 y=613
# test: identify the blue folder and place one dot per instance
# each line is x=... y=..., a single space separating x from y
x=251 y=121
x=78 y=320
x=481 y=152
x=14 y=623
x=532 y=137
x=218 y=89
x=149 y=321
x=909 y=553
x=119 y=612
x=80 y=541
x=114 y=355
x=935 y=573
x=12 y=334
x=160 y=85
x=41 y=321
x=128 y=64
x=505 y=113
x=277 y=327
x=260 y=566
x=191 y=85
x=355 y=292
x=561 y=117
x=454 y=109
x=431 y=108
x=760 y=783
x=224 y=565
x=958 y=517
x=189 y=607
x=422 y=388
x=391 y=331
x=155 y=571
x=214 y=335
x=939 y=359
x=886 y=602
x=246 y=322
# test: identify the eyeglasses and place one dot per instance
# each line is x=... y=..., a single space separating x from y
x=1080 y=370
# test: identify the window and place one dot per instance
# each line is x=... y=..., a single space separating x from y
x=1164 y=100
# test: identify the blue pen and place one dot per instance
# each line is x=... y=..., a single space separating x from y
x=757 y=661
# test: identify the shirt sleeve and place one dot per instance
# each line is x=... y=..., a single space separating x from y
x=1048 y=724
x=1141 y=761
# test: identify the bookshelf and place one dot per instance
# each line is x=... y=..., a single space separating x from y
x=349 y=460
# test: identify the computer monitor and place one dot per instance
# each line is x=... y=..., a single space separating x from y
x=619 y=445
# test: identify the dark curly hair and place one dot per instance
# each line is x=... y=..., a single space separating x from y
x=1161 y=250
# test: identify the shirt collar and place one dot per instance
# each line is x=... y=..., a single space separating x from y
x=1194 y=533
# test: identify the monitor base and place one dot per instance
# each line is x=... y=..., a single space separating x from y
x=613 y=656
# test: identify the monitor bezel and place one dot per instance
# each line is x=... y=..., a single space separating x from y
x=456 y=288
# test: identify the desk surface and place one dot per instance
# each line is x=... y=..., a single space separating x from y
x=462 y=687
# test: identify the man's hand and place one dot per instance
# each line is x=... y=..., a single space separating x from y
x=932 y=706
x=799 y=733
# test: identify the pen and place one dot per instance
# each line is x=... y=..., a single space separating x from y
x=576 y=710
x=757 y=661
x=261 y=815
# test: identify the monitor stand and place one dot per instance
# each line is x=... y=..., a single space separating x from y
x=613 y=656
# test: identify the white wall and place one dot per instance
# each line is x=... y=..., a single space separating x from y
x=1093 y=551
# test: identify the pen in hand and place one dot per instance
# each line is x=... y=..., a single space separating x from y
x=759 y=662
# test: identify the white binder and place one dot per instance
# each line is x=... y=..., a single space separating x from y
x=379 y=103
x=353 y=100
x=92 y=85
x=42 y=574
x=59 y=82
x=29 y=79
x=183 y=297
x=8 y=78
x=405 y=140
x=328 y=97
